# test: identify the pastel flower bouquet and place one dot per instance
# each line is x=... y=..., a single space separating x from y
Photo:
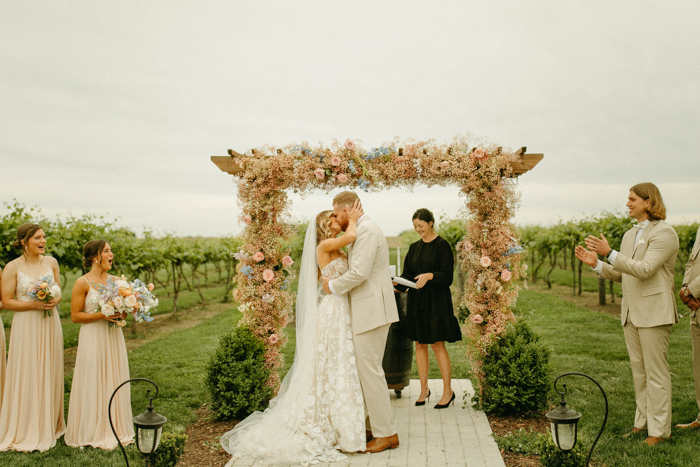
x=121 y=296
x=44 y=290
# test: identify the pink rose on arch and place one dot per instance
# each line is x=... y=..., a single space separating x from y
x=335 y=161
x=506 y=275
x=350 y=144
x=342 y=178
x=445 y=165
x=287 y=261
x=480 y=154
x=257 y=257
x=320 y=174
x=467 y=246
x=485 y=261
x=273 y=339
x=268 y=275
x=247 y=219
x=476 y=319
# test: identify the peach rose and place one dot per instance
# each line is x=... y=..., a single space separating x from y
x=131 y=301
x=480 y=154
x=320 y=173
x=273 y=339
x=342 y=178
x=121 y=324
x=118 y=302
x=506 y=275
x=257 y=257
x=43 y=285
x=247 y=219
x=476 y=319
x=468 y=246
x=41 y=295
x=151 y=287
x=268 y=275
x=350 y=144
x=445 y=165
x=287 y=261
x=485 y=261
x=335 y=161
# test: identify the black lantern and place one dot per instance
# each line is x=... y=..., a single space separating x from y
x=564 y=420
x=149 y=425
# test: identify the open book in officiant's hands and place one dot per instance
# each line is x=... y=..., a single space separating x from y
x=402 y=281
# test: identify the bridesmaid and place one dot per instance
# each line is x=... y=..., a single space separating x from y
x=2 y=346
x=101 y=363
x=31 y=417
x=430 y=318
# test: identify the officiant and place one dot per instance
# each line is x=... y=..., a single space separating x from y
x=430 y=318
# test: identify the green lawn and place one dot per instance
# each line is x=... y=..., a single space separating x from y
x=589 y=342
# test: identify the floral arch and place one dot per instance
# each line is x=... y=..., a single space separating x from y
x=490 y=252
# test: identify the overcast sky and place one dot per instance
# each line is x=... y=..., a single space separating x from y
x=115 y=107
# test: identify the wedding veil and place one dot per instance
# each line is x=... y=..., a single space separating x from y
x=271 y=434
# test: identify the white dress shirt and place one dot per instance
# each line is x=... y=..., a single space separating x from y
x=613 y=254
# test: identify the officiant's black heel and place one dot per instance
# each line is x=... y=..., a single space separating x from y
x=423 y=401
x=444 y=406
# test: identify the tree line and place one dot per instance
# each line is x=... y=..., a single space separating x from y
x=163 y=260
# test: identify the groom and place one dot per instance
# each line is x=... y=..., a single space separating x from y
x=372 y=310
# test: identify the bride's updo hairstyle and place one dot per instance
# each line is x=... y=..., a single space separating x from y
x=91 y=252
x=424 y=215
x=323 y=226
x=24 y=233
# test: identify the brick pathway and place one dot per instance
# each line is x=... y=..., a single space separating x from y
x=450 y=437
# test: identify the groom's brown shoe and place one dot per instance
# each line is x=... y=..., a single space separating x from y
x=692 y=425
x=382 y=444
x=369 y=435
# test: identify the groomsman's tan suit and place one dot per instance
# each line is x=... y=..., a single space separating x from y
x=372 y=310
x=692 y=280
x=648 y=312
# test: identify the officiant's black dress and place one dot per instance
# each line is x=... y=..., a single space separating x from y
x=430 y=317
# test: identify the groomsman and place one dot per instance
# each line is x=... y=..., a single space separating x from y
x=690 y=296
x=644 y=265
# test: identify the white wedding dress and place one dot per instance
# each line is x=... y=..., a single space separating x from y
x=319 y=410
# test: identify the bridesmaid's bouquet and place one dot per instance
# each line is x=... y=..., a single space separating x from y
x=44 y=290
x=121 y=296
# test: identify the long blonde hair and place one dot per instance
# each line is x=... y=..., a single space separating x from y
x=649 y=192
x=323 y=226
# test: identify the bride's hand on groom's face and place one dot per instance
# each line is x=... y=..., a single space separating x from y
x=356 y=212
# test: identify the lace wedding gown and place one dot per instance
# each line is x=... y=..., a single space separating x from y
x=321 y=410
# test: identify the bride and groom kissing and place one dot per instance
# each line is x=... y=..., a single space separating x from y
x=334 y=397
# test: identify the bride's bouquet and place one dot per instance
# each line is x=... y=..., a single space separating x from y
x=44 y=290
x=121 y=296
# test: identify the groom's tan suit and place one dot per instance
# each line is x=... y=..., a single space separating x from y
x=645 y=269
x=692 y=280
x=372 y=310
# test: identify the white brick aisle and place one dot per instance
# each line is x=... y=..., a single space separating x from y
x=450 y=437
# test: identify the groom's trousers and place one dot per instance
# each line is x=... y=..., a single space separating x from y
x=369 y=350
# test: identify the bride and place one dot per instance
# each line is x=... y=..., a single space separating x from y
x=319 y=409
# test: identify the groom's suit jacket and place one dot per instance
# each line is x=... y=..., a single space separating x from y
x=692 y=273
x=646 y=274
x=368 y=281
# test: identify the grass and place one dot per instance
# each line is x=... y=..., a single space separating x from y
x=176 y=363
x=593 y=343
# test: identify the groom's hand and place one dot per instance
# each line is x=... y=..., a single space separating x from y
x=587 y=257
x=325 y=281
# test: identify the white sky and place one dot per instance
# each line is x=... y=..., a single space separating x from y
x=115 y=107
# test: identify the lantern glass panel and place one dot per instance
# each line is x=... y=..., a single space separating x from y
x=149 y=439
x=566 y=434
